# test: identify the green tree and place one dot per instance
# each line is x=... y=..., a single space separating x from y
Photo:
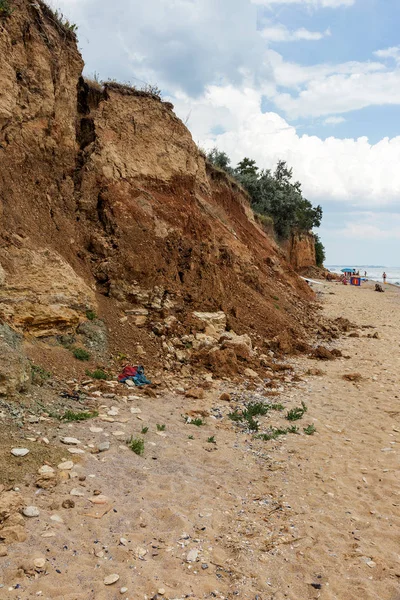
x=220 y=159
x=319 y=251
x=247 y=166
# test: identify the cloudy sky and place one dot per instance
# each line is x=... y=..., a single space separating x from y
x=313 y=82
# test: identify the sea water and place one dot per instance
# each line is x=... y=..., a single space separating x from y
x=374 y=272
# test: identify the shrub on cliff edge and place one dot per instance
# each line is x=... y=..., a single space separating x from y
x=5 y=8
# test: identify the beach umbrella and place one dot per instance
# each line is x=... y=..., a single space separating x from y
x=347 y=270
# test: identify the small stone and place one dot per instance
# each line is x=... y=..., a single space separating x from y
x=76 y=492
x=110 y=579
x=250 y=373
x=371 y=564
x=196 y=393
x=19 y=451
x=70 y=441
x=204 y=566
x=119 y=433
x=123 y=541
x=225 y=397
x=192 y=555
x=96 y=429
x=49 y=534
x=30 y=511
x=123 y=590
x=99 y=499
x=45 y=470
x=161 y=591
x=135 y=410
x=140 y=552
x=3 y=552
x=129 y=383
x=66 y=466
x=76 y=451
x=103 y=446
x=68 y=503
x=57 y=519
x=39 y=563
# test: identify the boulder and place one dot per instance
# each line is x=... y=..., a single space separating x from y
x=216 y=319
x=240 y=344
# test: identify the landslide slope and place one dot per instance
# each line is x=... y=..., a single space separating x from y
x=107 y=205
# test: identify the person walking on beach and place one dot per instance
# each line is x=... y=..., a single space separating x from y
x=384 y=277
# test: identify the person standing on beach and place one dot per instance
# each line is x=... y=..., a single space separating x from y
x=384 y=277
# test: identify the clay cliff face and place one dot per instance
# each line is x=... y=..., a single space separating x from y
x=106 y=204
x=300 y=249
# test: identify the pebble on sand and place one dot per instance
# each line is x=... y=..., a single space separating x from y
x=70 y=441
x=19 y=451
x=45 y=469
x=192 y=555
x=66 y=466
x=30 y=511
x=110 y=579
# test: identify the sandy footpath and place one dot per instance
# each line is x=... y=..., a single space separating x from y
x=300 y=517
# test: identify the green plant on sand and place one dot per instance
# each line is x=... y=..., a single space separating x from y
x=81 y=354
x=70 y=416
x=136 y=445
x=97 y=374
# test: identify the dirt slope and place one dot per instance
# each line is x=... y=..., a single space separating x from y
x=106 y=204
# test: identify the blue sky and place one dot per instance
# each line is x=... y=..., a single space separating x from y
x=312 y=82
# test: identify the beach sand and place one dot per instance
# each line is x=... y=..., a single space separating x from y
x=300 y=517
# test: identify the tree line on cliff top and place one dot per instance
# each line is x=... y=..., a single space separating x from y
x=275 y=197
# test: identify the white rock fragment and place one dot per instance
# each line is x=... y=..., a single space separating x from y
x=70 y=441
x=192 y=555
x=30 y=511
x=110 y=579
x=45 y=469
x=66 y=466
x=19 y=451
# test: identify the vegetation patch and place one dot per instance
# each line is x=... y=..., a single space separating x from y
x=97 y=374
x=160 y=427
x=136 y=445
x=81 y=354
x=91 y=315
x=39 y=375
x=296 y=413
x=211 y=440
x=144 y=430
x=5 y=9
x=274 y=433
x=309 y=430
x=70 y=416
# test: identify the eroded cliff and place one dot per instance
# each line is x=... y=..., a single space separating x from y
x=107 y=206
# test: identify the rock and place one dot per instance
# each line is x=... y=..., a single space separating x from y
x=135 y=410
x=76 y=492
x=103 y=446
x=3 y=552
x=15 y=369
x=322 y=353
x=76 y=451
x=240 y=344
x=99 y=499
x=57 y=519
x=70 y=441
x=123 y=590
x=352 y=377
x=225 y=397
x=161 y=591
x=46 y=481
x=123 y=541
x=45 y=470
x=95 y=429
x=216 y=319
x=250 y=373
x=66 y=466
x=140 y=552
x=30 y=511
x=39 y=563
x=196 y=393
x=130 y=383
x=192 y=555
x=110 y=579
x=68 y=503
x=19 y=452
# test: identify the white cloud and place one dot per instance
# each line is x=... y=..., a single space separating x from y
x=334 y=120
x=349 y=171
x=393 y=52
x=280 y=33
x=364 y=231
x=313 y=3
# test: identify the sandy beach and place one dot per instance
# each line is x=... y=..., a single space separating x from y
x=300 y=517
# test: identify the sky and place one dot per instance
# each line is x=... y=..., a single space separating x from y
x=312 y=82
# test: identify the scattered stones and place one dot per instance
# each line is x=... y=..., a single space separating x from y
x=66 y=466
x=30 y=511
x=19 y=452
x=70 y=441
x=111 y=579
x=192 y=555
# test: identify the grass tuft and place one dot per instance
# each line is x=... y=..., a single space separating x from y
x=309 y=430
x=211 y=440
x=136 y=445
x=160 y=427
x=91 y=315
x=97 y=374
x=81 y=354
x=70 y=416
x=5 y=9
x=144 y=430
x=296 y=413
